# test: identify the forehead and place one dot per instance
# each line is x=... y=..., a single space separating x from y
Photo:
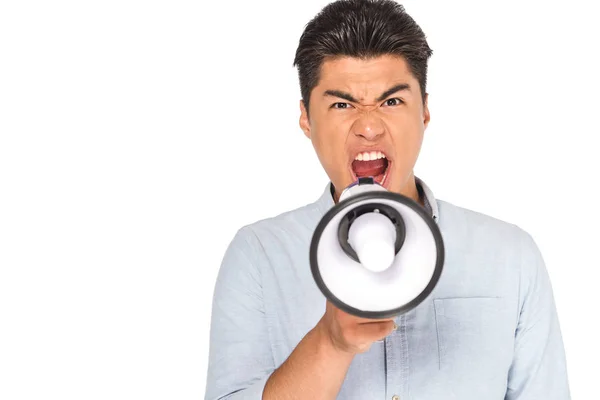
x=365 y=78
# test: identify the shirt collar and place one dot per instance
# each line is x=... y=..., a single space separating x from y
x=326 y=200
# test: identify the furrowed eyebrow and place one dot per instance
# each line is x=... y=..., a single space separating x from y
x=340 y=94
x=398 y=88
x=349 y=97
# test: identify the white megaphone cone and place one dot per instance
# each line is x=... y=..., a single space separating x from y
x=376 y=254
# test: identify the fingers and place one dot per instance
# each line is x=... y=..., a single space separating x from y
x=342 y=315
x=350 y=333
x=374 y=321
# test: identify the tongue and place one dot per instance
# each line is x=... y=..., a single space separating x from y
x=369 y=168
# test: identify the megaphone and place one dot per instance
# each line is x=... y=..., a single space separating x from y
x=376 y=254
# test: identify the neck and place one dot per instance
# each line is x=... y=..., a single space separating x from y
x=410 y=190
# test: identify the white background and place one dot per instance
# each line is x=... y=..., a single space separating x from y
x=136 y=137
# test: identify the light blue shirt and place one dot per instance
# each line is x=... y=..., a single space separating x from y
x=489 y=330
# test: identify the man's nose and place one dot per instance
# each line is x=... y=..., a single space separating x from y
x=369 y=126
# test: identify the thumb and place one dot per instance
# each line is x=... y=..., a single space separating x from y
x=378 y=330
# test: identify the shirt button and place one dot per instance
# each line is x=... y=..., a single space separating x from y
x=395 y=397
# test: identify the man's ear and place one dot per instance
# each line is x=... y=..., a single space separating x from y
x=304 y=122
x=426 y=115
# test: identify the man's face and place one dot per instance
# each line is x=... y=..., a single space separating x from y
x=367 y=118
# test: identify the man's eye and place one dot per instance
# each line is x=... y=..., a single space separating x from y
x=340 y=105
x=393 y=102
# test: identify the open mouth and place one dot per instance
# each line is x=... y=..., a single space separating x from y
x=371 y=164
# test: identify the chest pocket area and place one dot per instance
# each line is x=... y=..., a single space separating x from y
x=475 y=335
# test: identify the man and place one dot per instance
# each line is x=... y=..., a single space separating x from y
x=489 y=330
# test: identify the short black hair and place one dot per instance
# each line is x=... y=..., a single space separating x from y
x=363 y=29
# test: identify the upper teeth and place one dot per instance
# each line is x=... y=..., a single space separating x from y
x=369 y=156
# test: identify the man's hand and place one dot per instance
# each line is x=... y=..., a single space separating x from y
x=317 y=367
x=351 y=334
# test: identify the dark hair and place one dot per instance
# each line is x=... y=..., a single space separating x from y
x=362 y=29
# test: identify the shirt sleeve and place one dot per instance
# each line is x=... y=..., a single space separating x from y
x=240 y=358
x=538 y=370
